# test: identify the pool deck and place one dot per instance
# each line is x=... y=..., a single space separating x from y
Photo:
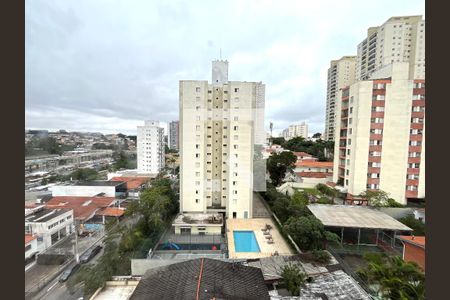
x=256 y=225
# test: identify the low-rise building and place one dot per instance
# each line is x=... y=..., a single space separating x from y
x=414 y=249
x=90 y=189
x=84 y=208
x=48 y=225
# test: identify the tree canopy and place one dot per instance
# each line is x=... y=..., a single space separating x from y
x=379 y=198
x=395 y=278
x=280 y=163
x=293 y=278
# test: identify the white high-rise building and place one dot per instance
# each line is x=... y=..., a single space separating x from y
x=399 y=39
x=340 y=74
x=221 y=123
x=295 y=130
x=150 y=147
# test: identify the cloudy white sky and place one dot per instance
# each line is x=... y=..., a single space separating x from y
x=108 y=65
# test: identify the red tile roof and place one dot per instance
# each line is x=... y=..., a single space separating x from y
x=29 y=238
x=82 y=208
x=314 y=164
x=132 y=182
x=111 y=212
x=314 y=174
x=415 y=240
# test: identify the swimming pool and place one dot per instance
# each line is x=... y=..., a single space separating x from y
x=245 y=241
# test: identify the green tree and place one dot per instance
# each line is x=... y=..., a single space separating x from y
x=278 y=164
x=293 y=278
x=376 y=198
x=300 y=198
x=395 y=278
x=317 y=135
x=308 y=232
x=84 y=174
x=121 y=160
x=413 y=223
x=277 y=140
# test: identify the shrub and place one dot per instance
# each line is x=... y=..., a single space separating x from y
x=321 y=256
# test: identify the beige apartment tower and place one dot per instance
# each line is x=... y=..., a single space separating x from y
x=380 y=135
x=220 y=124
x=399 y=39
x=341 y=73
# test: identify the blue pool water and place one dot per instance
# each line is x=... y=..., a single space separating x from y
x=245 y=241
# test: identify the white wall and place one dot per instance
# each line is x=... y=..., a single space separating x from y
x=82 y=191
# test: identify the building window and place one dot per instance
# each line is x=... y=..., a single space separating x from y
x=197 y=155
x=197 y=174
x=197 y=89
x=197 y=200
x=236 y=90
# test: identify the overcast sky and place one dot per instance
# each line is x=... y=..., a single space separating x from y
x=108 y=65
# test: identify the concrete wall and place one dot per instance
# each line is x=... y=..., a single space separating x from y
x=415 y=254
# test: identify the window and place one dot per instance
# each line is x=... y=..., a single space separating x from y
x=197 y=174
x=417 y=120
x=235 y=174
x=415 y=143
x=377 y=108
x=197 y=200
x=376 y=131
x=373 y=175
x=236 y=118
x=197 y=89
x=235 y=137
x=413 y=165
x=235 y=128
x=414 y=154
x=373 y=186
x=350 y=121
x=418 y=108
x=412 y=176
x=376 y=120
x=197 y=165
x=374 y=153
x=349 y=142
x=197 y=107
x=348 y=151
x=236 y=90
x=375 y=142
x=197 y=155
x=415 y=131
x=411 y=187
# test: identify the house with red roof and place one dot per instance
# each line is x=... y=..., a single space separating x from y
x=414 y=249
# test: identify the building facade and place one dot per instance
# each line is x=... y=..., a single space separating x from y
x=295 y=130
x=341 y=73
x=174 y=135
x=399 y=39
x=220 y=124
x=150 y=147
x=48 y=226
x=380 y=135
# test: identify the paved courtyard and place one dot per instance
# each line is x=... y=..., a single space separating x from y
x=255 y=225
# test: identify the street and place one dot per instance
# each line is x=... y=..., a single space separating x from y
x=56 y=290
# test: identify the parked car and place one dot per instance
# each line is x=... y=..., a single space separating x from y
x=66 y=274
x=89 y=254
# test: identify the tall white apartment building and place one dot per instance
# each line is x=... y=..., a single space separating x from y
x=220 y=125
x=150 y=147
x=340 y=74
x=380 y=135
x=399 y=39
x=295 y=130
